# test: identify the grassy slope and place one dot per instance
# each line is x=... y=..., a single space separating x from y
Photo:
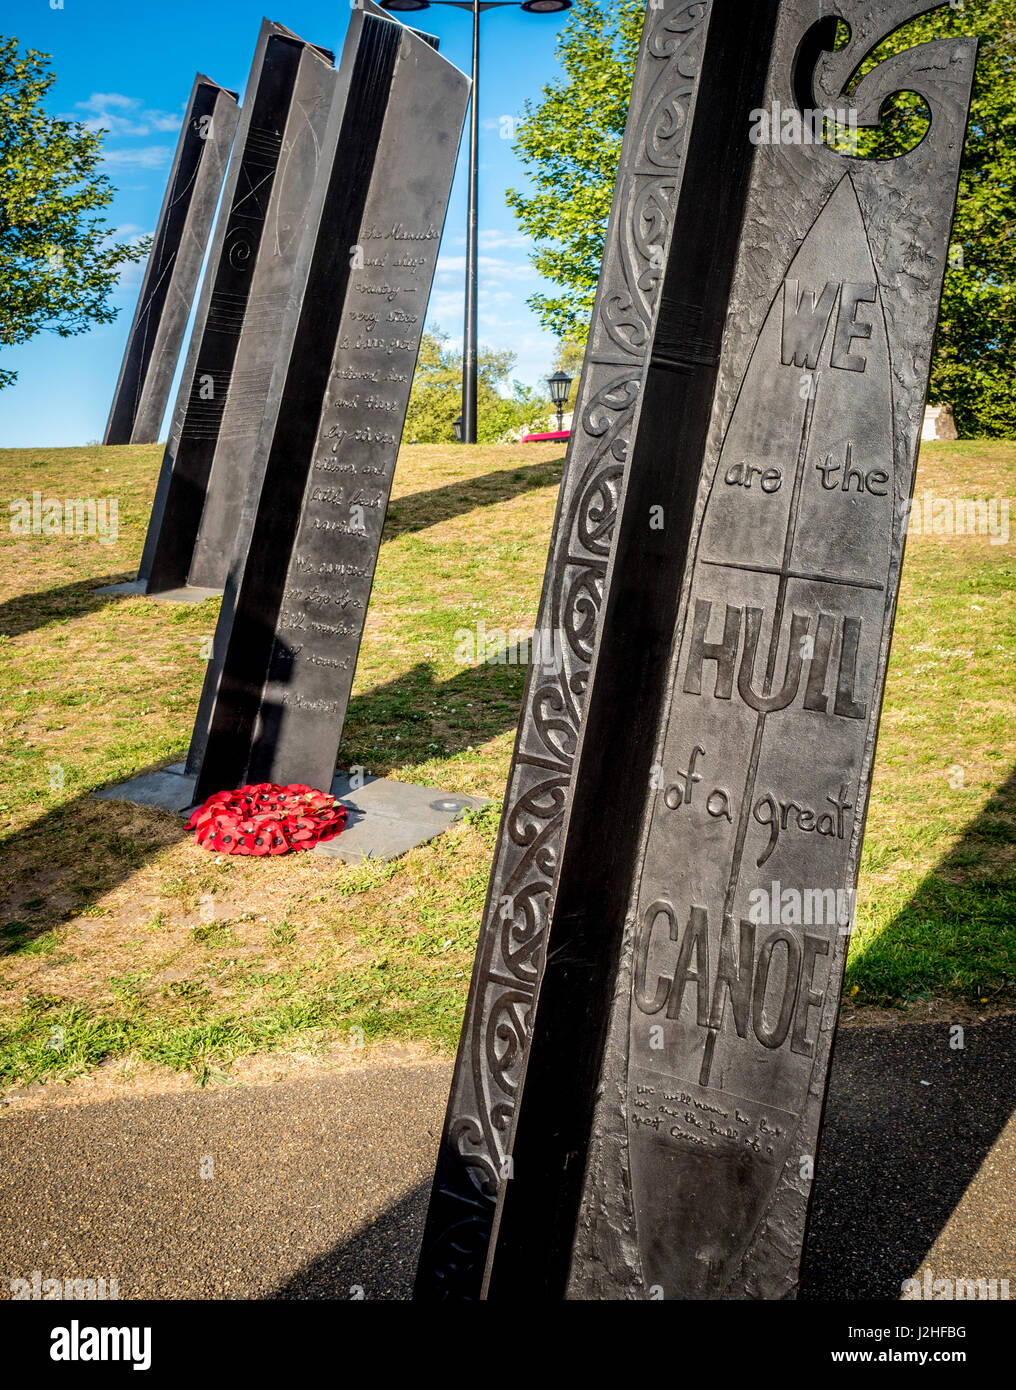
x=120 y=938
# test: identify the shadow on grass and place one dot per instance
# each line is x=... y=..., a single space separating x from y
x=957 y=933
x=422 y=509
x=26 y=612
x=69 y=857
x=474 y=705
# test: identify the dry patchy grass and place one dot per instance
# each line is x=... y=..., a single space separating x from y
x=121 y=940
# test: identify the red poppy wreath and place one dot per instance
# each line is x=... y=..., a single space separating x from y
x=266 y=819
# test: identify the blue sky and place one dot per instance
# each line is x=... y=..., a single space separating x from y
x=129 y=67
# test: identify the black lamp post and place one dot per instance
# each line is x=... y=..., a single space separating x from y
x=475 y=7
x=560 y=385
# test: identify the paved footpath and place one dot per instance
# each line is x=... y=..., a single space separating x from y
x=313 y=1188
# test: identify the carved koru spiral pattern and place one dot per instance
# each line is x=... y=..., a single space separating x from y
x=238 y=248
x=509 y=957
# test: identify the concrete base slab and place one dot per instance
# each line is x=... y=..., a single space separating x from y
x=169 y=789
x=385 y=818
x=188 y=594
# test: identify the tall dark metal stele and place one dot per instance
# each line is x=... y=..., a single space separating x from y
x=174 y=266
x=641 y=1076
x=474 y=1144
x=292 y=618
x=258 y=220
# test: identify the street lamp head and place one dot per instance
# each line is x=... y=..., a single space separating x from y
x=560 y=385
x=405 y=4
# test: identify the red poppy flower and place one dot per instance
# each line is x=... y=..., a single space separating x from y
x=266 y=819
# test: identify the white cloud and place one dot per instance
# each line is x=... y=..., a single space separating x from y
x=125 y=116
x=507 y=125
x=497 y=241
x=446 y=307
x=148 y=157
x=129 y=281
x=131 y=273
x=492 y=269
x=98 y=101
x=492 y=239
x=535 y=342
x=164 y=120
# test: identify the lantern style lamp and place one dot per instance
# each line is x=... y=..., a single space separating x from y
x=560 y=385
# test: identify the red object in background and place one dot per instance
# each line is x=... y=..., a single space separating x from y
x=266 y=819
x=554 y=434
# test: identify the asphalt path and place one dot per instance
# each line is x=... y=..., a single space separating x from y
x=317 y=1188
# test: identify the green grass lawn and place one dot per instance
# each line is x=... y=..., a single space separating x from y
x=122 y=942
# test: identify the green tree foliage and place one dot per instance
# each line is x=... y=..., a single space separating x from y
x=571 y=142
x=58 y=264
x=568 y=358
x=436 y=396
x=570 y=145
